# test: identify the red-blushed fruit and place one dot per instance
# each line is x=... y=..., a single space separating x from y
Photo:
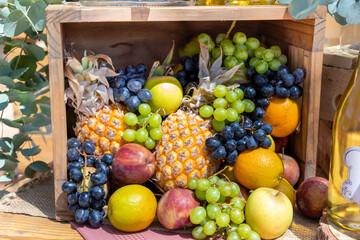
x=133 y=163
x=291 y=169
x=174 y=208
x=312 y=196
x=281 y=143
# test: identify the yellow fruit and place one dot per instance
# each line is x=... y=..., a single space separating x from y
x=286 y=188
x=283 y=115
x=105 y=129
x=132 y=208
x=272 y=147
x=258 y=168
x=181 y=153
x=190 y=48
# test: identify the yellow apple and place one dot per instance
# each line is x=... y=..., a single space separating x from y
x=268 y=212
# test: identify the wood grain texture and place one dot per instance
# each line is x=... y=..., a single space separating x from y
x=324 y=146
x=58 y=116
x=77 y=13
x=22 y=227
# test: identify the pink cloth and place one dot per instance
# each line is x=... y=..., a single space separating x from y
x=108 y=232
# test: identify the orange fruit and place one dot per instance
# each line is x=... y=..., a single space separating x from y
x=283 y=115
x=132 y=208
x=286 y=188
x=260 y=167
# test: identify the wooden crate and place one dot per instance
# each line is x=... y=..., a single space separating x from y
x=132 y=35
x=337 y=70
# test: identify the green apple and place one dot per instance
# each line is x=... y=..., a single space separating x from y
x=167 y=94
x=268 y=212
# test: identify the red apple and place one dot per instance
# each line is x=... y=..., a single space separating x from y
x=312 y=196
x=291 y=169
x=281 y=143
x=174 y=208
x=133 y=163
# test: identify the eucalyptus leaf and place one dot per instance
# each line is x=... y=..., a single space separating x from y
x=25 y=2
x=10 y=123
x=7 y=165
x=21 y=7
x=29 y=172
x=4 y=101
x=15 y=74
x=5 y=144
x=27 y=128
x=35 y=51
x=5 y=69
x=28 y=108
x=332 y=8
x=25 y=120
x=14 y=95
x=36 y=14
x=343 y=7
x=18 y=140
x=326 y=2
x=339 y=19
x=24 y=62
x=39 y=166
x=41 y=120
x=353 y=14
x=15 y=24
x=7 y=81
x=300 y=9
x=284 y=2
x=6 y=156
x=30 y=151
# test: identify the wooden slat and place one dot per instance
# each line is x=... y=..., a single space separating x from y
x=58 y=116
x=76 y=13
x=22 y=227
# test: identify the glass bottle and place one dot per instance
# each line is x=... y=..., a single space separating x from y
x=344 y=177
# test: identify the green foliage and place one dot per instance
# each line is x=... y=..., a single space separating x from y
x=344 y=11
x=26 y=81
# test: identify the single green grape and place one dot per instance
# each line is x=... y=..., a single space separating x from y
x=203 y=184
x=143 y=119
x=213 y=179
x=240 y=93
x=204 y=37
x=231 y=96
x=155 y=120
x=129 y=135
x=254 y=236
x=212 y=195
x=259 y=51
x=233 y=236
x=239 y=106
x=222 y=199
x=217 y=125
x=225 y=42
x=156 y=133
x=241 y=55
x=244 y=230
x=220 y=114
x=231 y=114
x=251 y=53
x=222 y=220
x=192 y=183
x=206 y=111
x=239 y=38
x=230 y=62
x=277 y=50
x=198 y=233
x=220 y=182
x=261 y=66
x=220 y=103
x=197 y=215
x=253 y=61
x=249 y=105
x=282 y=59
x=226 y=209
x=141 y=135
x=210 y=46
x=235 y=190
x=205 y=221
x=268 y=55
x=200 y=194
x=237 y=202
x=219 y=38
x=237 y=216
x=130 y=119
x=225 y=189
x=228 y=49
x=274 y=64
x=210 y=228
x=216 y=53
x=220 y=91
x=144 y=109
x=241 y=46
x=150 y=143
x=213 y=210
x=252 y=43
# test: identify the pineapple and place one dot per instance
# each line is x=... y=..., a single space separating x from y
x=181 y=153
x=99 y=119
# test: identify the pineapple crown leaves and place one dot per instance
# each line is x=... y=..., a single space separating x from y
x=163 y=69
x=88 y=89
x=211 y=75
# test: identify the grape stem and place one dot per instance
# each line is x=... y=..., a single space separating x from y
x=230 y=29
x=226 y=177
x=222 y=170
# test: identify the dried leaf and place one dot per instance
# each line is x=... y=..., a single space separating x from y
x=168 y=58
x=102 y=91
x=153 y=68
x=111 y=95
x=74 y=65
x=221 y=79
x=203 y=61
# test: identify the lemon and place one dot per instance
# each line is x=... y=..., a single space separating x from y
x=272 y=147
x=286 y=188
x=132 y=208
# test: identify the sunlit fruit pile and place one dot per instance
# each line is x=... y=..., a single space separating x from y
x=199 y=135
